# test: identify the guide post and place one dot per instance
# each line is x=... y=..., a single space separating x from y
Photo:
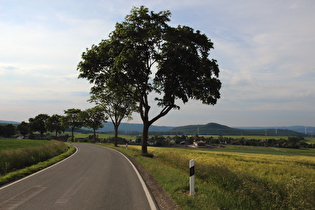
x=192 y=177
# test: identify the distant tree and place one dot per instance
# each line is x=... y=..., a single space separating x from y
x=72 y=120
x=1 y=130
x=23 y=128
x=53 y=123
x=7 y=130
x=38 y=124
x=115 y=105
x=93 y=118
x=145 y=55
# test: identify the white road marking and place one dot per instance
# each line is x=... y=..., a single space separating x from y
x=72 y=191
x=34 y=174
x=21 y=198
x=144 y=186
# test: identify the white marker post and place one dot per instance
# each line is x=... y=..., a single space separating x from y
x=192 y=177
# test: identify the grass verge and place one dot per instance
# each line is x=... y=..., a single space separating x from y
x=21 y=173
x=232 y=180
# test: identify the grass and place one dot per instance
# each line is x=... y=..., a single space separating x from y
x=9 y=144
x=267 y=150
x=238 y=137
x=310 y=140
x=18 y=174
x=101 y=135
x=22 y=157
x=234 y=177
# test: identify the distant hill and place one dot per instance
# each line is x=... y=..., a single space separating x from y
x=301 y=129
x=208 y=129
x=217 y=129
x=129 y=127
x=9 y=122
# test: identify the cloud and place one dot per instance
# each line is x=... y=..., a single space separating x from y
x=9 y=68
x=264 y=50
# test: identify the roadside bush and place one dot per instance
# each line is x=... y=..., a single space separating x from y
x=119 y=141
x=72 y=140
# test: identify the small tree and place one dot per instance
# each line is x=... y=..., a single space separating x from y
x=38 y=124
x=115 y=105
x=53 y=123
x=72 y=120
x=23 y=128
x=93 y=118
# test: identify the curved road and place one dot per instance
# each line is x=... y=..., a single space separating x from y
x=95 y=177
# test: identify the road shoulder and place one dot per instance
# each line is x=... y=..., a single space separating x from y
x=162 y=199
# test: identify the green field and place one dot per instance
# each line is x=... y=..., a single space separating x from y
x=20 y=153
x=8 y=144
x=234 y=177
x=101 y=135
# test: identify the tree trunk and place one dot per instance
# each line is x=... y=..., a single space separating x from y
x=116 y=135
x=94 y=137
x=72 y=133
x=56 y=133
x=145 y=134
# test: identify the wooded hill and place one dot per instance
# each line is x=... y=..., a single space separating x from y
x=217 y=129
x=208 y=129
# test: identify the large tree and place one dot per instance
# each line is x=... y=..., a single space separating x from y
x=53 y=123
x=38 y=124
x=72 y=120
x=93 y=118
x=116 y=106
x=145 y=57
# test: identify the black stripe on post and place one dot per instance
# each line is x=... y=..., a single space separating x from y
x=192 y=170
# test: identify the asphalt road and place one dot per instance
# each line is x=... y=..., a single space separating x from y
x=94 y=178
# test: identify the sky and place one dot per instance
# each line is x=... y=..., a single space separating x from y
x=264 y=49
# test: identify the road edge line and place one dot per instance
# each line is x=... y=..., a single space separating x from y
x=150 y=198
x=40 y=171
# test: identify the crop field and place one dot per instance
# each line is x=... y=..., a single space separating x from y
x=234 y=177
x=266 y=150
x=17 y=154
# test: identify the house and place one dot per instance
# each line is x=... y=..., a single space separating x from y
x=200 y=144
x=184 y=143
x=151 y=142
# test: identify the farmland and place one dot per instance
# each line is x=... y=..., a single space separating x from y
x=10 y=144
x=20 y=157
x=234 y=177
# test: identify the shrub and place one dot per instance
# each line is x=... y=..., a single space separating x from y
x=72 y=140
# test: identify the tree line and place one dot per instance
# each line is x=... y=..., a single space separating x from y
x=92 y=118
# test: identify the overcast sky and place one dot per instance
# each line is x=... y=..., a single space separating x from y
x=265 y=51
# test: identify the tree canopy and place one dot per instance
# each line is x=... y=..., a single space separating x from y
x=72 y=120
x=53 y=123
x=93 y=118
x=145 y=56
x=115 y=105
x=38 y=124
x=23 y=128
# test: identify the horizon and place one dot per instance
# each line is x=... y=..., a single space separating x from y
x=263 y=48
x=9 y=121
